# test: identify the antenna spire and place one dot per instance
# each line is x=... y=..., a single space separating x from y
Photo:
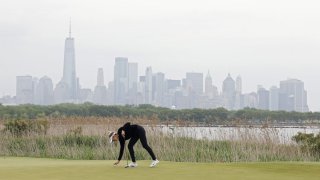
x=70 y=28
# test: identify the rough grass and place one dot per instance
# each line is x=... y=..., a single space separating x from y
x=80 y=138
x=36 y=168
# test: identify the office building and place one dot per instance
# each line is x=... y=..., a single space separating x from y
x=228 y=92
x=69 y=69
x=120 y=80
x=24 y=90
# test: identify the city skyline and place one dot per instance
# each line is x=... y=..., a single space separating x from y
x=127 y=89
x=263 y=42
x=155 y=89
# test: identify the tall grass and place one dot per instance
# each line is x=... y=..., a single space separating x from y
x=87 y=138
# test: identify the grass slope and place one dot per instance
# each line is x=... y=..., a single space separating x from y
x=34 y=168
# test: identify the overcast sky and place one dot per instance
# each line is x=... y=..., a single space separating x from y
x=263 y=41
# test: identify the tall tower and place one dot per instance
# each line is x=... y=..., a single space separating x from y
x=208 y=86
x=239 y=84
x=44 y=91
x=24 y=90
x=274 y=98
x=100 y=77
x=148 y=86
x=69 y=68
x=100 y=91
x=263 y=98
x=120 y=80
x=228 y=92
x=293 y=96
x=238 y=96
x=194 y=82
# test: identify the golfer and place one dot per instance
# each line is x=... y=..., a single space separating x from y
x=134 y=133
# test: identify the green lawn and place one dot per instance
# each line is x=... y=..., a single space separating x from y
x=33 y=168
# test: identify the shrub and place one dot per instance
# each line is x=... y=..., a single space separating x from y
x=23 y=127
x=309 y=142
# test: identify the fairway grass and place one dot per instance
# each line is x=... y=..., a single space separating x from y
x=12 y=168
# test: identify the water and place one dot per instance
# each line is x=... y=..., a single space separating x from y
x=281 y=135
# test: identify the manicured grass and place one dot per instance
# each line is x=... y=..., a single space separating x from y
x=35 y=168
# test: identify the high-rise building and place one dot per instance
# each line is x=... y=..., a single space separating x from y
x=60 y=93
x=250 y=100
x=110 y=93
x=239 y=84
x=132 y=76
x=274 y=98
x=159 y=88
x=305 y=102
x=132 y=83
x=173 y=84
x=24 y=90
x=293 y=96
x=141 y=92
x=100 y=91
x=44 y=92
x=148 y=86
x=208 y=86
x=120 y=80
x=100 y=77
x=194 y=83
x=69 y=69
x=35 y=83
x=85 y=95
x=228 y=92
x=263 y=98
x=238 y=96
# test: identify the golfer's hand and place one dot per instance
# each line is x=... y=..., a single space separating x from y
x=116 y=163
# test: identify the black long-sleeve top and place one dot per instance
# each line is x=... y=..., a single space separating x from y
x=130 y=131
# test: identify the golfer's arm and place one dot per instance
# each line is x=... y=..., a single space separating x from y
x=121 y=150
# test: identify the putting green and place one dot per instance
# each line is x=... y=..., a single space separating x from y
x=34 y=168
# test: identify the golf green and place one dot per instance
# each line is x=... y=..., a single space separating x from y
x=36 y=168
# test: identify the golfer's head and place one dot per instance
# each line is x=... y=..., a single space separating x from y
x=113 y=137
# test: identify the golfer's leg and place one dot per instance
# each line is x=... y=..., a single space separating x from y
x=143 y=140
x=132 y=142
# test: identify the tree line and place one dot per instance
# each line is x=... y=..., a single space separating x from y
x=208 y=116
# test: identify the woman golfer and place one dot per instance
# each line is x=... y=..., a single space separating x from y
x=134 y=133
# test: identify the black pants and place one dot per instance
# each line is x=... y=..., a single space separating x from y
x=141 y=134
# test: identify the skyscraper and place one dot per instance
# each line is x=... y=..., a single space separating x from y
x=238 y=95
x=293 y=96
x=100 y=91
x=69 y=68
x=100 y=77
x=159 y=88
x=208 y=86
x=194 y=82
x=44 y=92
x=173 y=84
x=263 y=98
x=132 y=83
x=274 y=98
x=148 y=86
x=239 y=84
x=228 y=92
x=60 y=93
x=120 y=80
x=250 y=100
x=24 y=90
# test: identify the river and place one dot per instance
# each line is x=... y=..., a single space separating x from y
x=281 y=135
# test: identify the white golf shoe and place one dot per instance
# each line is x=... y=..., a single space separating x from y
x=154 y=163
x=133 y=164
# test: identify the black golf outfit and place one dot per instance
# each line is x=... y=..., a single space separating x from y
x=134 y=133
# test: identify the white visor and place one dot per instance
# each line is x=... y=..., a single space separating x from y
x=111 y=137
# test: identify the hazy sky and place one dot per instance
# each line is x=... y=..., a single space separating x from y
x=263 y=41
